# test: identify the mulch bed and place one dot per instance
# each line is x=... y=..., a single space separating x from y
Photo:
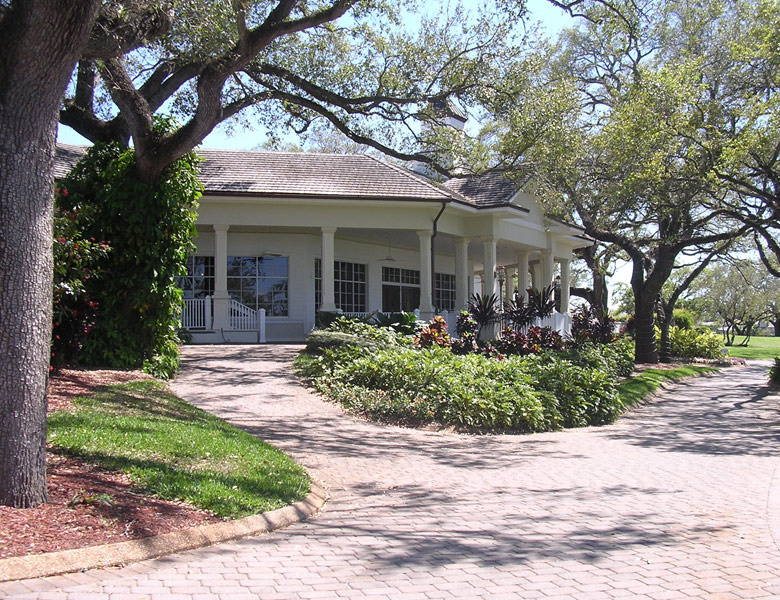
x=89 y=505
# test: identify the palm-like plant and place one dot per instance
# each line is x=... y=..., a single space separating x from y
x=484 y=309
x=542 y=302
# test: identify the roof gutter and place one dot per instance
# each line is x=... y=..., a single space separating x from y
x=433 y=255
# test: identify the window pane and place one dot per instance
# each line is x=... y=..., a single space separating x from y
x=410 y=298
x=391 y=298
x=233 y=266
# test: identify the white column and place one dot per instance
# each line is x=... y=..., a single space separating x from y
x=221 y=296
x=522 y=274
x=565 y=284
x=328 y=303
x=489 y=281
x=426 y=275
x=548 y=268
x=536 y=276
x=509 y=285
x=462 y=273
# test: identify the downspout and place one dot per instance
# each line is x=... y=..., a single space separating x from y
x=433 y=256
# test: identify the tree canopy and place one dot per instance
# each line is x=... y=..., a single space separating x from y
x=375 y=71
x=630 y=124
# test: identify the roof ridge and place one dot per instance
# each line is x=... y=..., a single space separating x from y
x=282 y=152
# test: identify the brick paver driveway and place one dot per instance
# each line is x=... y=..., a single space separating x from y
x=677 y=500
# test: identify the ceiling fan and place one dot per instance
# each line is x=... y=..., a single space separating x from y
x=389 y=258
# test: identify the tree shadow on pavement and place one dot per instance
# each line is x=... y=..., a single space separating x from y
x=731 y=413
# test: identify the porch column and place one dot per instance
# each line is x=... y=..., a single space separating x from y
x=522 y=275
x=427 y=310
x=565 y=284
x=489 y=281
x=461 y=274
x=221 y=296
x=548 y=268
x=509 y=289
x=328 y=303
x=536 y=276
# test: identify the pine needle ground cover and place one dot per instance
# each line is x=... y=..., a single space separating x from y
x=177 y=451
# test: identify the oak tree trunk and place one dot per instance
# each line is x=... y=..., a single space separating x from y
x=41 y=42
x=646 y=350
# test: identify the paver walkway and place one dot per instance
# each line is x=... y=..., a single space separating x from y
x=680 y=499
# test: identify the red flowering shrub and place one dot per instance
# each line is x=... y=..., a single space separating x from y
x=75 y=262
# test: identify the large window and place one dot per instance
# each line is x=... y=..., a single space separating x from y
x=199 y=280
x=400 y=289
x=444 y=292
x=349 y=285
x=259 y=282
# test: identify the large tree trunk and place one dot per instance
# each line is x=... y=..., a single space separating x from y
x=41 y=42
x=776 y=325
x=646 y=350
x=665 y=324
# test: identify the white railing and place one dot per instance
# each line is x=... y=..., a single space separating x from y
x=196 y=313
x=560 y=322
x=243 y=318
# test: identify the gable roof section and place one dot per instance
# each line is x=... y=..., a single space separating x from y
x=487 y=190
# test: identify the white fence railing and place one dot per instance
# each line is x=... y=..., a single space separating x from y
x=560 y=322
x=197 y=313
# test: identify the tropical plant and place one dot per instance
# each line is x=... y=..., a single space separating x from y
x=434 y=334
x=589 y=325
x=484 y=308
x=519 y=313
x=542 y=302
x=405 y=323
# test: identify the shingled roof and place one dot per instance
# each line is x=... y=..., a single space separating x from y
x=488 y=190
x=296 y=174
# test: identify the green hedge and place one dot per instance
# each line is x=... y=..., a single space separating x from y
x=539 y=392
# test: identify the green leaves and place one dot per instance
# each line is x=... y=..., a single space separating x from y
x=150 y=230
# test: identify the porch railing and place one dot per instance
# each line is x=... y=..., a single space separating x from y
x=560 y=322
x=197 y=313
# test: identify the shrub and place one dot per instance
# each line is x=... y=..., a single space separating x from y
x=683 y=318
x=616 y=358
x=404 y=323
x=77 y=259
x=774 y=371
x=535 y=393
x=149 y=228
x=690 y=343
x=381 y=335
x=536 y=339
x=319 y=340
x=589 y=325
x=585 y=396
x=434 y=334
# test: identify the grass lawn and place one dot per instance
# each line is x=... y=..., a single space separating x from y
x=636 y=389
x=176 y=451
x=759 y=347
